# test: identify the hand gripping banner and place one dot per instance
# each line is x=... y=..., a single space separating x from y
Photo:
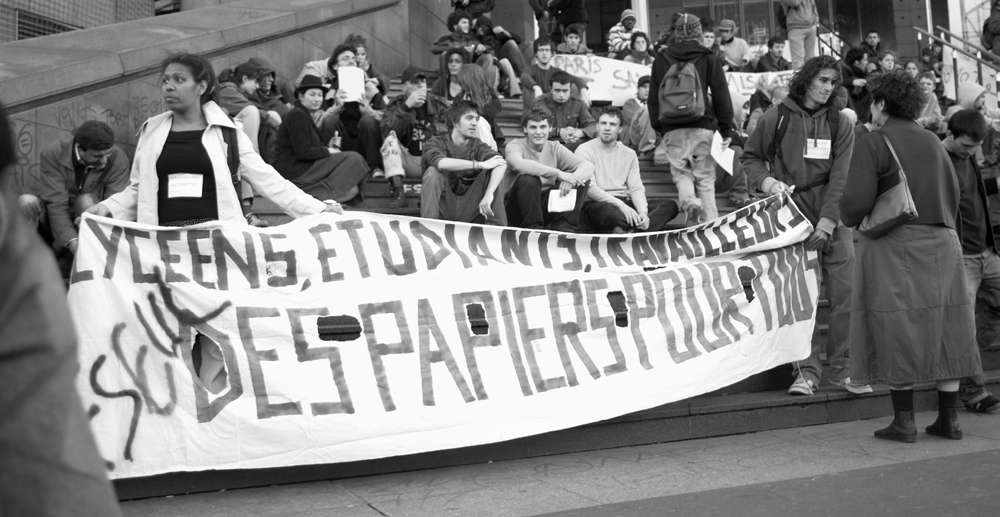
x=359 y=336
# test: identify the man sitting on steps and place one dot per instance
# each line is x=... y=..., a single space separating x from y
x=464 y=177
x=572 y=123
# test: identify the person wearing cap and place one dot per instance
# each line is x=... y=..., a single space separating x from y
x=637 y=132
x=736 y=49
x=304 y=157
x=801 y=20
x=688 y=144
x=76 y=172
x=773 y=60
x=273 y=93
x=412 y=116
x=620 y=35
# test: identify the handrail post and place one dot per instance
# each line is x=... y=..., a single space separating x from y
x=979 y=68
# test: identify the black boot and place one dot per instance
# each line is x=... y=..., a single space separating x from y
x=903 y=428
x=398 y=193
x=946 y=424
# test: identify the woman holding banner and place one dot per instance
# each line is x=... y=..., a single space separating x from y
x=182 y=172
x=911 y=317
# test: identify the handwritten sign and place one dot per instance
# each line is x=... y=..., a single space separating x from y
x=609 y=79
x=344 y=338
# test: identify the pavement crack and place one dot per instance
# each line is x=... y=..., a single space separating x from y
x=380 y=512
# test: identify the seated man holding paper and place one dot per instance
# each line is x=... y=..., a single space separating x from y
x=551 y=182
x=616 y=200
x=464 y=175
x=352 y=108
x=572 y=123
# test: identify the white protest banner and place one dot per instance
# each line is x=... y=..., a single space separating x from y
x=608 y=79
x=362 y=336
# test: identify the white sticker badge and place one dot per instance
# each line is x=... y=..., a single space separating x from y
x=185 y=185
x=817 y=149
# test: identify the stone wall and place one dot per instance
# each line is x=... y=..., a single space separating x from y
x=77 y=13
x=50 y=85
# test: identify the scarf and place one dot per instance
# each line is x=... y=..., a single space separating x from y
x=641 y=56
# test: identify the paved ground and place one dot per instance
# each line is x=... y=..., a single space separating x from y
x=834 y=469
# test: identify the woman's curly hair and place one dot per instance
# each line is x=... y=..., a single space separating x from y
x=902 y=94
x=799 y=85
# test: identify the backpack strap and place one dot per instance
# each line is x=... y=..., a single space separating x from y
x=233 y=156
x=784 y=114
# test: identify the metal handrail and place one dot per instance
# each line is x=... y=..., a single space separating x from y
x=833 y=51
x=843 y=41
x=955 y=48
x=979 y=48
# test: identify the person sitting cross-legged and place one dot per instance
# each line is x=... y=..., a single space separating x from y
x=464 y=175
x=616 y=201
x=542 y=166
x=572 y=122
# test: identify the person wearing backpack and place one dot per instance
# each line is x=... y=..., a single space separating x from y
x=801 y=19
x=806 y=144
x=679 y=110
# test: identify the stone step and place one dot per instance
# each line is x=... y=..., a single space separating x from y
x=700 y=417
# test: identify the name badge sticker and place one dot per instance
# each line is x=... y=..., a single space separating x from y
x=817 y=149
x=184 y=185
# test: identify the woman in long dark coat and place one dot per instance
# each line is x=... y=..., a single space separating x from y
x=911 y=316
x=307 y=161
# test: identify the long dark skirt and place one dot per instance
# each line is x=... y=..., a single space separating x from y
x=911 y=316
x=333 y=177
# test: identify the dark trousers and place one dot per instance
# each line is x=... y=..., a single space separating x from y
x=604 y=217
x=367 y=140
x=528 y=206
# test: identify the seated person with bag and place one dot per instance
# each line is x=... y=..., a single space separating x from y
x=464 y=175
x=544 y=169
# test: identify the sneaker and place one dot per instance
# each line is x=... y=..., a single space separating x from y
x=801 y=386
x=255 y=221
x=695 y=215
x=377 y=172
x=857 y=389
x=987 y=404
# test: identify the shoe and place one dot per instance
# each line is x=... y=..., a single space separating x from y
x=398 y=193
x=902 y=429
x=946 y=424
x=987 y=404
x=377 y=172
x=857 y=389
x=255 y=221
x=695 y=215
x=801 y=386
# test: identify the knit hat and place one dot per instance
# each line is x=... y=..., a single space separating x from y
x=687 y=28
x=93 y=135
x=644 y=80
x=628 y=13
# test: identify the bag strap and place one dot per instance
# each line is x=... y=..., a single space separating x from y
x=893 y=151
x=784 y=113
x=233 y=158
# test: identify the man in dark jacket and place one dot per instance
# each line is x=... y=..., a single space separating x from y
x=773 y=61
x=688 y=144
x=872 y=45
x=966 y=131
x=412 y=115
x=572 y=123
x=854 y=77
x=76 y=172
x=814 y=161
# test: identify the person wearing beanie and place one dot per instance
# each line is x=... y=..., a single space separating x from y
x=688 y=144
x=76 y=172
x=736 y=50
x=620 y=36
x=801 y=20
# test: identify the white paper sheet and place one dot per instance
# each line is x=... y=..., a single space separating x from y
x=561 y=203
x=722 y=156
x=351 y=79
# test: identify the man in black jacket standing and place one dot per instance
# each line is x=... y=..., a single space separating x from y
x=688 y=144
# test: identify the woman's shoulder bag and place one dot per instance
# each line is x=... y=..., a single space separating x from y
x=893 y=208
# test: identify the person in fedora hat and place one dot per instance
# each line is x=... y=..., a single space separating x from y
x=620 y=36
x=306 y=159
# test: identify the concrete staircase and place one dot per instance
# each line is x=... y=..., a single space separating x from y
x=755 y=404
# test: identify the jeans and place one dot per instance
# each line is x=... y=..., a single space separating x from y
x=367 y=142
x=692 y=167
x=802 y=45
x=837 y=264
x=528 y=206
x=982 y=273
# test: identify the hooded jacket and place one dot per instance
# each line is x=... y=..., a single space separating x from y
x=718 y=113
x=967 y=95
x=800 y=14
x=268 y=100
x=820 y=204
